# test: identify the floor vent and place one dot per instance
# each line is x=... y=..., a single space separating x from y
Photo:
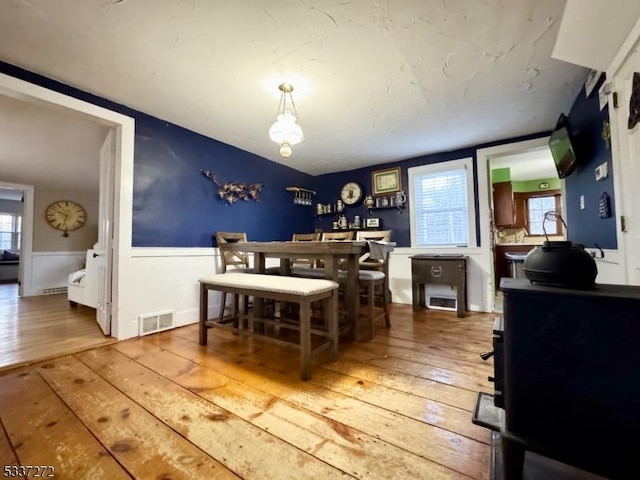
x=155 y=322
x=442 y=303
x=51 y=291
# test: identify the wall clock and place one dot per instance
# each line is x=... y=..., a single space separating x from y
x=65 y=215
x=351 y=193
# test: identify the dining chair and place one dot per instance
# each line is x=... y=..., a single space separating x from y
x=378 y=236
x=337 y=236
x=237 y=261
x=304 y=237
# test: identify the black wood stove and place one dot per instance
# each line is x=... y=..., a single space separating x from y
x=567 y=377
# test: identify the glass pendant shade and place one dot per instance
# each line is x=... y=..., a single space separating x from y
x=286 y=130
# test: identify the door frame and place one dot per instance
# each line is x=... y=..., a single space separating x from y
x=26 y=237
x=618 y=126
x=483 y=158
x=124 y=128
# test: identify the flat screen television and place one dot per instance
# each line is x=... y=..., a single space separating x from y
x=561 y=146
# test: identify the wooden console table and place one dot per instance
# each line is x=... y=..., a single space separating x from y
x=440 y=270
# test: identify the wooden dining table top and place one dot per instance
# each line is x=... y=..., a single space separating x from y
x=349 y=247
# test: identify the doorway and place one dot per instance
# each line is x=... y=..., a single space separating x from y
x=525 y=186
x=486 y=260
x=123 y=128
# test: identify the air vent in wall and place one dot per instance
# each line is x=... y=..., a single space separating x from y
x=51 y=291
x=155 y=322
x=442 y=303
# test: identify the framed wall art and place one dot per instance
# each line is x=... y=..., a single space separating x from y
x=372 y=222
x=386 y=181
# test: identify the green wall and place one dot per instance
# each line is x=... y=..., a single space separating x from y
x=499 y=175
x=534 y=185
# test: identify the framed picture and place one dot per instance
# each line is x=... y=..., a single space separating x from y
x=373 y=222
x=386 y=181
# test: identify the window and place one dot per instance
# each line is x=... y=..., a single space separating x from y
x=10 y=228
x=533 y=206
x=442 y=204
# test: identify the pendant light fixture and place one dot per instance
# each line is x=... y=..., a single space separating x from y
x=286 y=130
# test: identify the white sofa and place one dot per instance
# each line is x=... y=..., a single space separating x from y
x=82 y=287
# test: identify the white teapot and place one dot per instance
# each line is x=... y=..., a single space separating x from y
x=401 y=198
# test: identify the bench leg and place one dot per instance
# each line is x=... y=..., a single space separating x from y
x=330 y=307
x=305 y=340
x=204 y=307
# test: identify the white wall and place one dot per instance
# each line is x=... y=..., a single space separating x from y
x=52 y=269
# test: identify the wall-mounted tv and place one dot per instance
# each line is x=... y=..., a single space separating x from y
x=561 y=146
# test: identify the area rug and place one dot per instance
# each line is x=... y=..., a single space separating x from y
x=536 y=467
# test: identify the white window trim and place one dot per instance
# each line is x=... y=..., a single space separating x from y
x=467 y=164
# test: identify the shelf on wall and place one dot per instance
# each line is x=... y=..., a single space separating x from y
x=387 y=202
x=303 y=196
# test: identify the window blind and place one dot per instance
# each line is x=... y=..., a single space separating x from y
x=441 y=206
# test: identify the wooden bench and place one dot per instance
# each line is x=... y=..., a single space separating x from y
x=303 y=291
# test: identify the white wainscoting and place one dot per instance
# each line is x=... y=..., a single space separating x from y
x=52 y=269
x=610 y=267
x=167 y=279
x=400 y=275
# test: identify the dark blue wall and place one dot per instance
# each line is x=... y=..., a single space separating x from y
x=586 y=121
x=174 y=205
x=328 y=187
x=585 y=226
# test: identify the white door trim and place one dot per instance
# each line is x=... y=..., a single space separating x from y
x=483 y=155
x=26 y=241
x=123 y=186
x=619 y=144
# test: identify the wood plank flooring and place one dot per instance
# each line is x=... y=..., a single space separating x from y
x=37 y=328
x=163 y=407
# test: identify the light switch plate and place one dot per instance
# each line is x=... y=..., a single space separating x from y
x=602 y=171
x=581 y=202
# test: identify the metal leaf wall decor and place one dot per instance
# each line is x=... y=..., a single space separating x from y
x=231 y=192
x=634 y=102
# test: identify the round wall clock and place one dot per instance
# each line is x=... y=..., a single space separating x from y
x=351 y=193
x=65 y=215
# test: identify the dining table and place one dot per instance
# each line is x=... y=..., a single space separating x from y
x=333 y=254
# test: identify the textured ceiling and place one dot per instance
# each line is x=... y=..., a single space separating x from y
x=375 y=81
x=42 y=146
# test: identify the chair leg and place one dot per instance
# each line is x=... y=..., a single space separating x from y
x=223 y=301
x=204 y=306
x=385 y=306
x=371 y=302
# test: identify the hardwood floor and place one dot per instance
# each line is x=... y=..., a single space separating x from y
x=37 y=328
x=163 y=407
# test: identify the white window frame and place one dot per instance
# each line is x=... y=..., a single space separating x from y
x=15 y=233
x=431 y=168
